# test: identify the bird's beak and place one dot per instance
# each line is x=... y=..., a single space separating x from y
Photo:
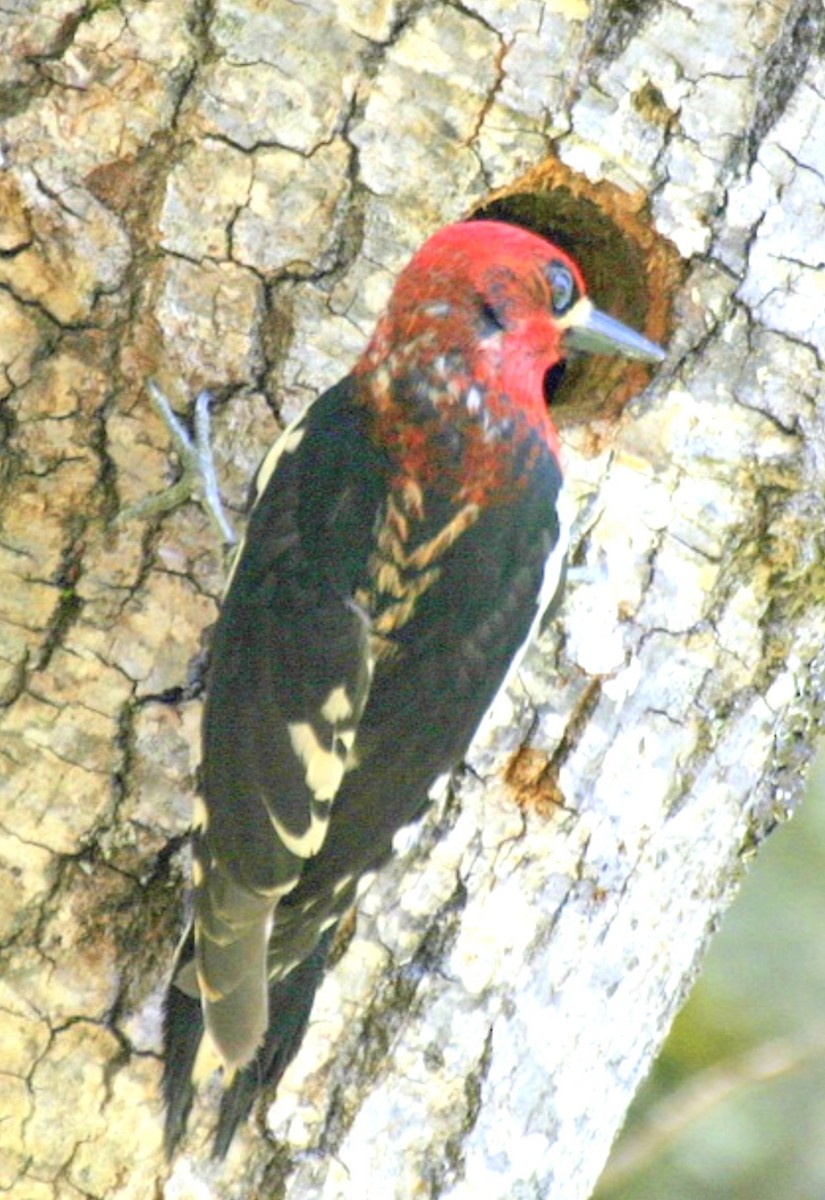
x=585 y=328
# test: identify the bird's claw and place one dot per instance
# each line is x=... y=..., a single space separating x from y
x=199 y=479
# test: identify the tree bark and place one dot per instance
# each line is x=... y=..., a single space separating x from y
x=220 y=194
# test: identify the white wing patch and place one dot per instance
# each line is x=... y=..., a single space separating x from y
x=324 y=769
x=337 y=706
x=287 y=443
x=306 y=844
x=554 y=566
x=551 y=578
x=346 y=737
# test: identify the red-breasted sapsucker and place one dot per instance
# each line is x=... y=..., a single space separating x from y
x=403 y=545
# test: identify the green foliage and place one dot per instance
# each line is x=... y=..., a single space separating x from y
x=735 y=1106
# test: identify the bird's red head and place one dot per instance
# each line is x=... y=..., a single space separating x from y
x=479 y=316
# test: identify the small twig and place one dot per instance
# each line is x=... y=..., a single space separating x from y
x=702 y=1093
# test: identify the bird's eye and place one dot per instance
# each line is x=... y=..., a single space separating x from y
x=491 y=319
x=562 y=287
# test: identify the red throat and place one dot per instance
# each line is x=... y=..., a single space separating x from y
x=516 y=376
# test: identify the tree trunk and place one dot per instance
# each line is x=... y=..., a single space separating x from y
x=220 y=194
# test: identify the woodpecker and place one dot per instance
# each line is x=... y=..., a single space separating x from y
x=404 y=543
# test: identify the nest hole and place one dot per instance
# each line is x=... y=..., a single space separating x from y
x=630 y=270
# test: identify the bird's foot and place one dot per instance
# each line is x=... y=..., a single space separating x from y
x=199 y=479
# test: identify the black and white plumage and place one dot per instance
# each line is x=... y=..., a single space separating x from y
x=404 y=542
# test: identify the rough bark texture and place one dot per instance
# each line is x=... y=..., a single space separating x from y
x=220 y=192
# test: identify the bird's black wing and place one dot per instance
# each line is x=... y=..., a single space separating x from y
x=444 y=634
x=415 y=602
x=439 y=666
x=289 y=676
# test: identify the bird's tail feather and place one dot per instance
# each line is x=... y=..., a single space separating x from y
x=182 y=1033
x=290 y=1005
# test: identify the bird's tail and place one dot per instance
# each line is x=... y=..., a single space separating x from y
x=182 y=1033
x=290 y=1005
